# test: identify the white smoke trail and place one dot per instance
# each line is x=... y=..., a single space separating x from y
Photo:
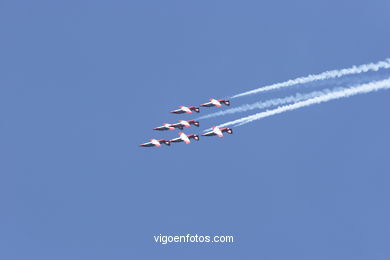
x=322 y=76
x=269 y=103
x=360 y=89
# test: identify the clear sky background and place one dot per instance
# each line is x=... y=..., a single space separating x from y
x=82 y=83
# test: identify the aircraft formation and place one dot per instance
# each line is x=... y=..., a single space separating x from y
x=188 y=123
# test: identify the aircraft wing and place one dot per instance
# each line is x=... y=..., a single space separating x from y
x=217 y=131
x=184 y=138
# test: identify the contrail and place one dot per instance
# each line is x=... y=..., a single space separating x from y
x=269 y=103
x=360 y=89
x=322 y=76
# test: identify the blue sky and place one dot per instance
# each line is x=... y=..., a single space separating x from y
x=83 y=83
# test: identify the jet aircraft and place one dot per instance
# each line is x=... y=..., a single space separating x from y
x=185 y=123
x=180 y=125
x=184 y=109
x=155 y=142
x=165 y=126
x=218 y=131
x=216 y=103
x=185 y=138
